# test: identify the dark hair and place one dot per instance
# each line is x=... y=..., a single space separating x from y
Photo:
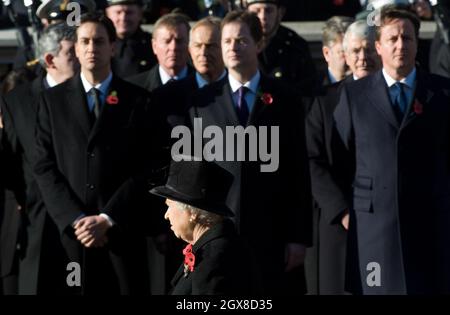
x=248 y=18
x=99 y=18
x=393 y=12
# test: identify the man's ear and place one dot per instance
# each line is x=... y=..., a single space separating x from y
x=48 y=59
x=326 y=53
x=378 y=47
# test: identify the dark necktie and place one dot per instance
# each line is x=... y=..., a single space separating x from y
x=400 y=101
x=97 y=107
x=242 y=107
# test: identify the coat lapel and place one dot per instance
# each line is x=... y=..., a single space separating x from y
x=378 y=95
x=422 y=96
x=217 y=108
x=111 y=115
x=76 y=97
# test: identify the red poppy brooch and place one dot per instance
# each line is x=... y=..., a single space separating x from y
x=417 y=107
x=112 y=98
x=267 y=98
x=189 y=260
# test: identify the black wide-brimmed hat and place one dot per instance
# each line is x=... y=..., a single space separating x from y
x=58 y=9
x=201 y=184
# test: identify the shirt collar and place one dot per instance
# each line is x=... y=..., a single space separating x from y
x=165 y=77
x=331 y=77
x=202 y=82
x=50 y=81
x=409 y=80
x=252 y=85
x=102 y=86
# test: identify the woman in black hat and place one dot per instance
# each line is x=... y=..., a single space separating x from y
x=215 y=259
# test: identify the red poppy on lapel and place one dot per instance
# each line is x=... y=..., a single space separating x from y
x=338 y=2
x=267 y=98
x=417 y=107
x=112 y=98
x=189 y=259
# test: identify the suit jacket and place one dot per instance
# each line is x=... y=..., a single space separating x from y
x=271 y=208
x=150 y=80
x=325 y=263
x=401 y=186
x=100 y=168
x=222 y=265
x=10 y=219
x=42 y=254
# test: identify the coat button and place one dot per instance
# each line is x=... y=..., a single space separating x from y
x=90 y=186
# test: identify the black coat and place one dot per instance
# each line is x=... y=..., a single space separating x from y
x=104 y=168
x=133 y=55
x=287 y=58
x=325 y=262
x=401 y=186
x=271 y=208
x=223 y=265
x=41 y=253
x=439 y=57
x=11 y=188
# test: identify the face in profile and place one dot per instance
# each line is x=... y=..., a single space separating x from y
x=65 y=62
x=180 y=221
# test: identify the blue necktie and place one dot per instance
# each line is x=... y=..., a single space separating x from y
x=400 y=101
x=242 y=107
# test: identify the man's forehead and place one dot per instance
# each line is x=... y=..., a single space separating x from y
x=169 y=30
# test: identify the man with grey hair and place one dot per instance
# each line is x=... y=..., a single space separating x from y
x=359 y=49
x=332 y=35
x=170 y=45
x=325 y=264
x=40 y=248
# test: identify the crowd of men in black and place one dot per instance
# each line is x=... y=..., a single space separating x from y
x=360 y=201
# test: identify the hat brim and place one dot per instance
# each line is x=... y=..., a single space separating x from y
x=166 y=192
x=44 y=8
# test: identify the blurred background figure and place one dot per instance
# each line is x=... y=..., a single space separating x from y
x=133 y=54
x=285 y=55
x=333 y=52
x=440 y=48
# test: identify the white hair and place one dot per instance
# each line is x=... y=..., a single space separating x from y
x=202 y=217
x=359 y=29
